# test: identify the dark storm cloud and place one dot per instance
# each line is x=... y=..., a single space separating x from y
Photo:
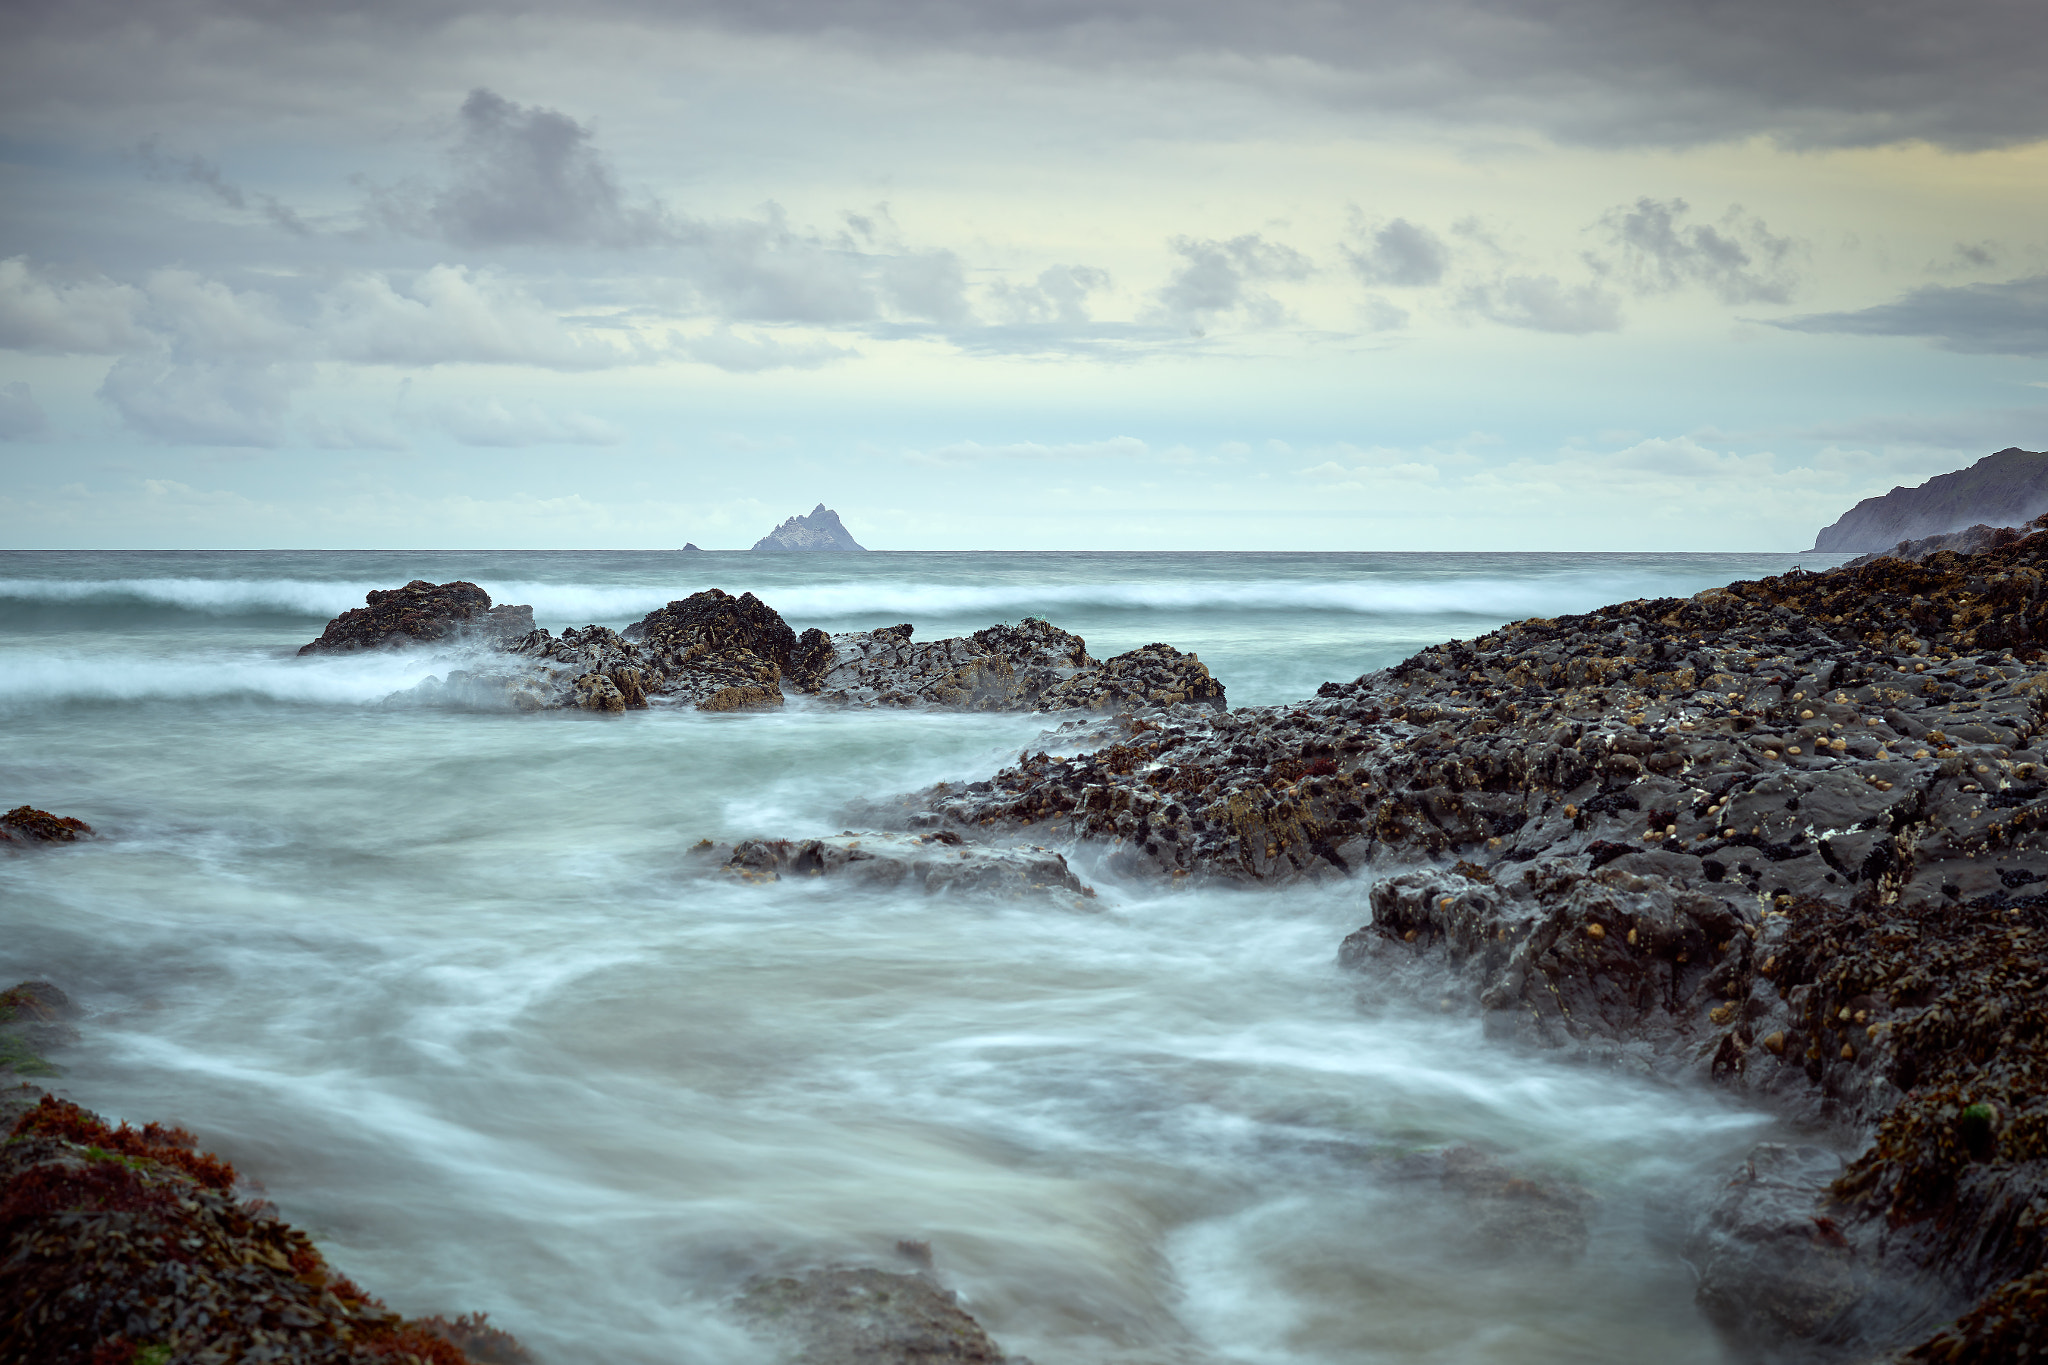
x=1399 y=253
x=2005 y=318
x=1969 y=74
x=1739 y=260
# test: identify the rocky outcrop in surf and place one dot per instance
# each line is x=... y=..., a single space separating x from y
x=2006 y=489
x=25 y=827
x=941 y=863
x=126 y=1245
x=1791 y=835
x=421 y=613
x=821 y=529
x=718 y=652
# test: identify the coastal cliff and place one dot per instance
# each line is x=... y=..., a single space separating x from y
x=2006 y=489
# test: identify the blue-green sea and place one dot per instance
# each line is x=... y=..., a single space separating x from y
x=452 y=988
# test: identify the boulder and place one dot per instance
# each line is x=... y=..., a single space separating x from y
x=422 y=613
x=25 y=825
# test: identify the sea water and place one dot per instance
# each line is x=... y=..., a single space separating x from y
x=452 y=988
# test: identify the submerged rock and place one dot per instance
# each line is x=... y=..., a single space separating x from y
x=35 y=1020
x=934 y=864
x=862 y=1316
x=25 y=825
x=422 y=613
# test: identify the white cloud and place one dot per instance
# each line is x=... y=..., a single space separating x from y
x=1030 y=452
x=39 y=313
x=1540 y=303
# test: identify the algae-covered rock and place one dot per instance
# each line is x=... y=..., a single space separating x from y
x=863 y=1316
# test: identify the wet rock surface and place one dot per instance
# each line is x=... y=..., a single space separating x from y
x=421 y=613
x=935 y=864
x=35 y=1020
x=864 y=1316
x=1790 y=834
x=25 y=827
x=723 y=653
x=120 y=1246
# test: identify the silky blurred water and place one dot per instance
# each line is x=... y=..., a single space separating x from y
x=451 y=986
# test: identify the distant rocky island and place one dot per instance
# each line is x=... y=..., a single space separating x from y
x=821 y=530
x=2006 y=489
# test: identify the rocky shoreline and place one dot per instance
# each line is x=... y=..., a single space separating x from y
x=1790 y=836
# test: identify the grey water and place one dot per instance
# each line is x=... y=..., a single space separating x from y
x=452 y=987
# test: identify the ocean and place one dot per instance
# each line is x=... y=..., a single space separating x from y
x=451 y=987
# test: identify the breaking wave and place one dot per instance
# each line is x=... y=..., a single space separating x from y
x=560 y=604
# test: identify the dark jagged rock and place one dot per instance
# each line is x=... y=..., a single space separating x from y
x=1969 y=541
x=118 y=1245
x=1791 y=835
x=711 y=622
x=935 y=864
x=25 y=825
x=1031 y=666
x=821 y=530
x=863 y=1316
x=2006 y=489
x=421 y=613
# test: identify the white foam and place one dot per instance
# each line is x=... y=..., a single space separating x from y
x=344 y=680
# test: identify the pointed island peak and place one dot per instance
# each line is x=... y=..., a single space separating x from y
x=821 y=530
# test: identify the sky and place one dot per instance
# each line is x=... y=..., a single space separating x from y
x=1128 y=274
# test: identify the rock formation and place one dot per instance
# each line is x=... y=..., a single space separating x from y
x=858 y=1315
x=820 y=530
x=1968 y=541
x=937 y=863
x=26 y=826
x=421 y=613
x=723 y=653
x=2006 y=489
x=1790 y=835
x=119 y=1245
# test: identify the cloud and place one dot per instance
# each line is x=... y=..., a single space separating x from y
x=1400 y=253
x=1738 y=261
x=39 y=313
x=197 y=170
x=1060 y=295
x=202 y=400
x=1215 y=276
x=451 y=315
x=522 y=176
x=1540 y=303
x=493 y=422
x=20 y=414
x=2005 y=318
